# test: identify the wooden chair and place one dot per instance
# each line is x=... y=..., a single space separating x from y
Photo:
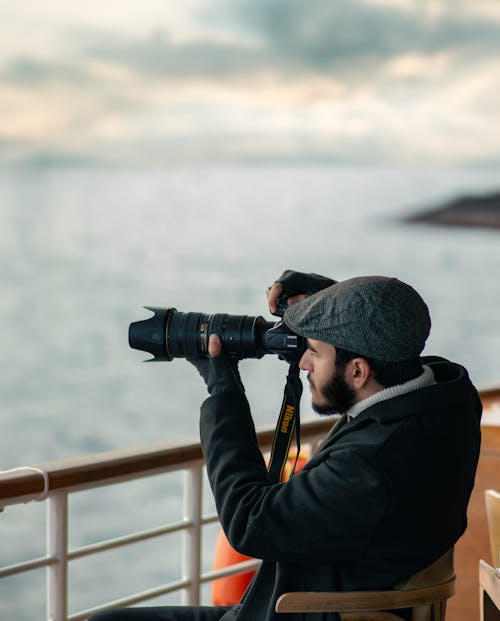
x=492 y=499
x=425 y=593
x=489 y=592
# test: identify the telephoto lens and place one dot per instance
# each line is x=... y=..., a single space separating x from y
x=170 y=334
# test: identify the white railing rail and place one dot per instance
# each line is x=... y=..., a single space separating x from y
x=57 y=480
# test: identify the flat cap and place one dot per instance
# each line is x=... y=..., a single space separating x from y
x=375 y=316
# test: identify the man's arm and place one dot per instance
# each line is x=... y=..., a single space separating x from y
x=328 y=511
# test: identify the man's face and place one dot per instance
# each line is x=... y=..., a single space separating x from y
x=329 y=390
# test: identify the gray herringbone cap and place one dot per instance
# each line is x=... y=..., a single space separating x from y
x=375 y=316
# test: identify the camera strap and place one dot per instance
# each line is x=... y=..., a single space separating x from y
x=288 y=422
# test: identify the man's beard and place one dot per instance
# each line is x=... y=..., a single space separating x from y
x=338 y=394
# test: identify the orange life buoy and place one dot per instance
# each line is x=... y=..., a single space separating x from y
x=229 y=591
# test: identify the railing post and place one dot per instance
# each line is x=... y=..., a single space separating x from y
x=191 y=557
x=57 y=549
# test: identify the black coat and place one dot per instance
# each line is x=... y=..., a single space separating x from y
x=384 y=496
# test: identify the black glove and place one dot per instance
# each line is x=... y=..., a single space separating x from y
x=295 y=283
x=220 y=374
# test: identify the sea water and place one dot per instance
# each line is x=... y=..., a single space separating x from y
x=82 y=250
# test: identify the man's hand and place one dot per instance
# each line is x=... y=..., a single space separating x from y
x=218 y=371
x=295 y=286
x=274 y=293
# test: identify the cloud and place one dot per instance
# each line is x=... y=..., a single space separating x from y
x=285 y=37
x=32 y=71
x=158 y=55
x=348 y=29
x=282 y=79
x=322 y=34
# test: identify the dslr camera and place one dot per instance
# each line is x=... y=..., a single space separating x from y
x=170 y=334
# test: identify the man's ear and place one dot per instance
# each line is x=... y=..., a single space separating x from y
x=359 y=373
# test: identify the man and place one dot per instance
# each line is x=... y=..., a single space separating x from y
x=386 y=493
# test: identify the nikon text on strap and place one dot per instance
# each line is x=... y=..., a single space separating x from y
x=288 y=422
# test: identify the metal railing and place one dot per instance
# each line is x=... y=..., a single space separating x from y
x=57 y=480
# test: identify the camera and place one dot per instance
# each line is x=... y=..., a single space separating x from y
x=170 y=334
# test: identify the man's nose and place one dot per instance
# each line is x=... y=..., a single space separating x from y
x=305 y=361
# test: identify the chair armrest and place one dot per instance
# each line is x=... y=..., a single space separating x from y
x=345 y=601
x=489 y=582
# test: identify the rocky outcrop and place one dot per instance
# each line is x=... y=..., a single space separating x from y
x=473 y=210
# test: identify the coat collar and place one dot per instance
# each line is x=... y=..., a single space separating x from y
x=452 y=388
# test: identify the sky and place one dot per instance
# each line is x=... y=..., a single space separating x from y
x=151 y=81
